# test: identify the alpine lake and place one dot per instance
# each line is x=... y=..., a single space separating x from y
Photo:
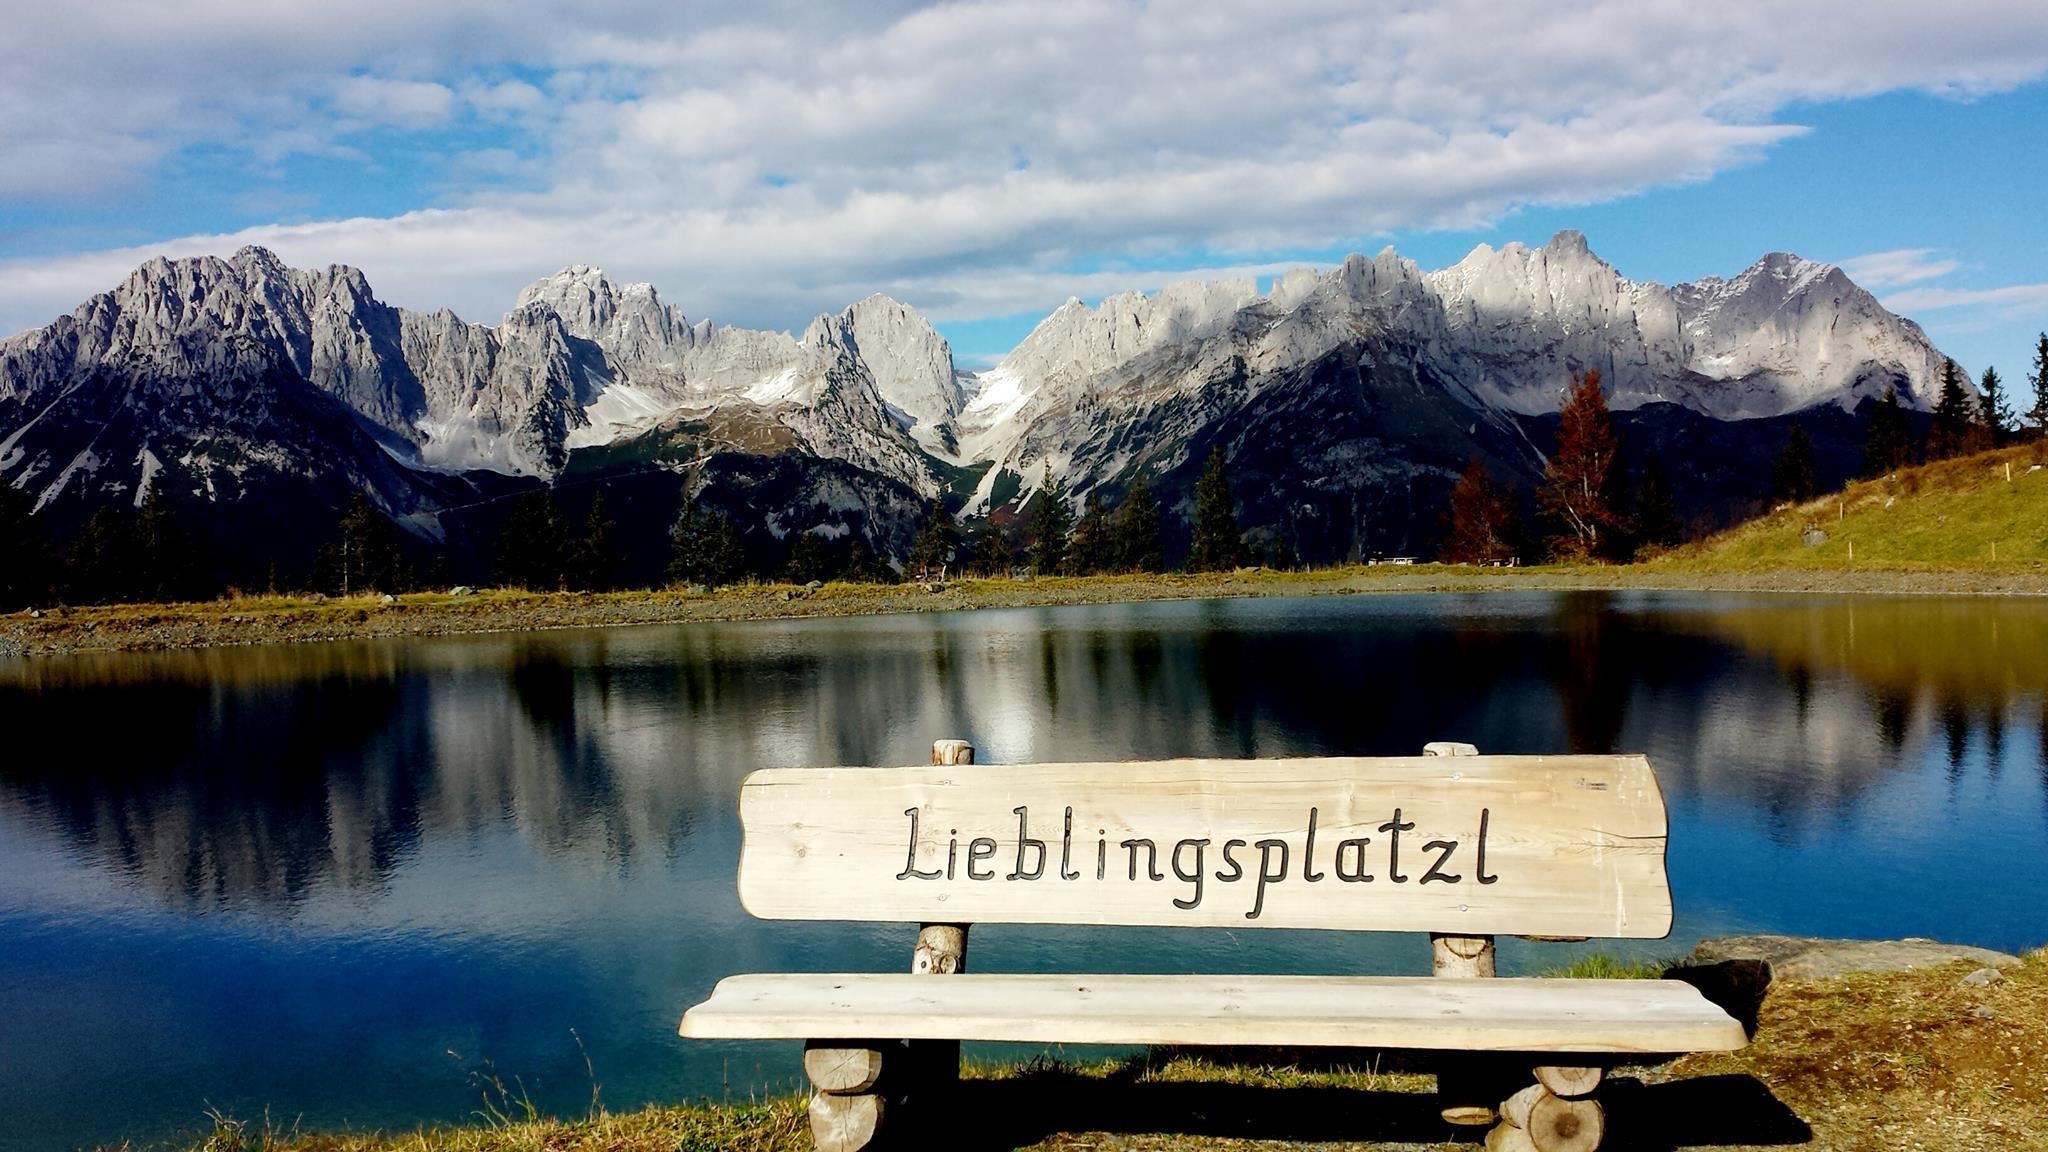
x=360 y=885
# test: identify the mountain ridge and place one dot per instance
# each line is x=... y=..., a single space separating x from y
x=1342 y=389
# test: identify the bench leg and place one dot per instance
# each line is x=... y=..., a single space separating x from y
x=1540 y=1119
x=848 y=1104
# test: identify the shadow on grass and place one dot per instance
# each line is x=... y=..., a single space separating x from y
x=999 y=1115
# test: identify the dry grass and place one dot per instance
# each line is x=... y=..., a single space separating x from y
x=1898 y=1061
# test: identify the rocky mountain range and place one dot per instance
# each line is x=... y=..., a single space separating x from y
x=263 y=396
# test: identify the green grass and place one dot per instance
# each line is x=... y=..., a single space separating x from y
x=1601 y=966
x=1986 y=513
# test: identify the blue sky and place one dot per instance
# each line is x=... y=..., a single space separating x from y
x=985 y=159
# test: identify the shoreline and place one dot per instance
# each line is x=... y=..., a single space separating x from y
x=316 y=619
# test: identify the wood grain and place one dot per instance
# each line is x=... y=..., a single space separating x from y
x=1500 y=1015
x=1574 y=844
x=842 y=1070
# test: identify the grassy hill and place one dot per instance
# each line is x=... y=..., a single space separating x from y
x=1982 y=512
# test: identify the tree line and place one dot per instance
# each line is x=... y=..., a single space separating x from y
x=1588 y=507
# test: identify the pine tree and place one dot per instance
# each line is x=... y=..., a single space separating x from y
x=105 y=559
x=169 y=564
x=936 y=542
x=705 y=548
x=1657 y=523
x=1137 y=531
x=533 y=549
x=1582 y=479
x=1796 y=475
x=1887 y=439
x=367 y=557
x=2038 y=414
x=1480 y=519
x=1052 y=526
x=1218 y=541
x=593 y=559
x=25 y=570
x=1994 y=412
x=863 y=566
x=1948 y=434
x=993 y=555
x=1093 y=547
x=809 y=559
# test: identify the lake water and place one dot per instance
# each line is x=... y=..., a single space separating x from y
x=341 y=882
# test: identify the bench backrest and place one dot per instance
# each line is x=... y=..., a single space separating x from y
x=1480 y=845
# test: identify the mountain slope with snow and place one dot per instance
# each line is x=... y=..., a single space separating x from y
x=1352 y=392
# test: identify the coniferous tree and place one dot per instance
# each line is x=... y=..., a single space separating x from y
x=1797 y=473
x=1657 y=523
x=936 y=542
x=1137 y=531
x=366 y=557
x=1480 y=519
x=809 y=559
x=1887 y=440
x=1994 y=412
x=1581 y=483
x=863 y=566
x=105 y=559
x=169 y=562
x=705 y=548
x=993 y=555
x=24 y=551
x=593 y=558
x=1093 y=547
x=533 y=549
x=1218 y=542
x=1052 y=526
x=1954 y=412
x=2038 y=414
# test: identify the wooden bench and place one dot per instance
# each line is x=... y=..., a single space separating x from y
x=1461 y=846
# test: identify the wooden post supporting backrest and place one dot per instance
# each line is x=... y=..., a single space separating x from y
x=1458 y=955
x=1466 y=1089
x=942 y=948
x=941 y=951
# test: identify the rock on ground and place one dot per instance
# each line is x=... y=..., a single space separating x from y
x=1815 y=958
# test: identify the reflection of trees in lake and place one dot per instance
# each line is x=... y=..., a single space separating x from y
x=213 y=781
x=208 y=796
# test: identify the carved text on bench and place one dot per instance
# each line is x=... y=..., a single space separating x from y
x=1189 y=858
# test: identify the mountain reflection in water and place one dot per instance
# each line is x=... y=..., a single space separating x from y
x=332 y=879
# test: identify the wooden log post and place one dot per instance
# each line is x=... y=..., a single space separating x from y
x=1466 y=1088
x=1566 y=1125
x=941 y=951
x=846 y=1111
x=1570 y=1082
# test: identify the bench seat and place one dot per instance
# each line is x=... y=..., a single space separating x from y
x=1492 y=1015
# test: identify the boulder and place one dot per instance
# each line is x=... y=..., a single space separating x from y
x=1814 y=958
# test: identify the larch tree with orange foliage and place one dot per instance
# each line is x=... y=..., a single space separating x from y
x=1481 y=520
x=1579 y=493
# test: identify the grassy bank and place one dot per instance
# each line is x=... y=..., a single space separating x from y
x=299 y=619
x=1910 y=1060
x=1984 y=514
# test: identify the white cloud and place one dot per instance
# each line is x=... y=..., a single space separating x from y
x=400 y=103
x=762 y=166
x=1879 y=271
x=2012 y=299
